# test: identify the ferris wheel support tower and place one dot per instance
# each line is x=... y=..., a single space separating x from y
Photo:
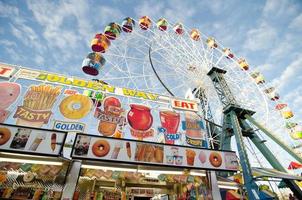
x=234 y=123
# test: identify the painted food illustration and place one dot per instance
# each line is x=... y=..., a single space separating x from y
x=193 y=127
x=190 y=154
x=116 y=150
x=75 y=106
x=202 y=157
x=110 y=117
x=170 y=121
x=100 y=148
x=37 y=104
x=139 y=117
x=82 y=145
x=9 y=94
x=215 y=159
x=149 y=153
x=174 y=157
x=128 y=148
x=231 y=161
x=53 y=141
x=20 y=139
x=37 y=141
x=5 y=135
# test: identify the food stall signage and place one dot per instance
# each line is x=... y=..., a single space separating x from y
x=69 y=126
x=20 y=139
x=184 y=105
x=98 y=86
x=32 y=115
x=90 y=147
x=6 y=71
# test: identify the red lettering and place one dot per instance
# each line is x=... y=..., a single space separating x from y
x=184 y=105
x=191 y=105
x=177 y=103
x=3 y=70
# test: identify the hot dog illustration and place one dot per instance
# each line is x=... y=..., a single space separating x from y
x=53 y=141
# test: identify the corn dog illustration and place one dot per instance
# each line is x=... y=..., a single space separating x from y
x=53 y=141
x=128 y=147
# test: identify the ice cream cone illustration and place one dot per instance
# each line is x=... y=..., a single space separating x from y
x=37 y=105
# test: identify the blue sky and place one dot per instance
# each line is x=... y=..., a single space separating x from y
x=55 y=35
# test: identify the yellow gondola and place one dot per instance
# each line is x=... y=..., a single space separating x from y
x=211 y=42
x=287 y=113
x=178 y=28
x=195 y=35
x=243 y=64
x=100 y=43
x=285 y=110
x=112 y=31
x=145 y=22
x=128 y=24
x=162 y=24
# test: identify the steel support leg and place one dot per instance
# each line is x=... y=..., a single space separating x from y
x=275 y=164
x=279 y=142
x=251 y=186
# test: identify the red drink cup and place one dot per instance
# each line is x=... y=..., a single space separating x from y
x=170 y=121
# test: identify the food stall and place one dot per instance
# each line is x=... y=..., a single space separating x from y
x=121 y=143
x=29 y=163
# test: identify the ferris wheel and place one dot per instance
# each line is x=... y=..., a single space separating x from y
x=170 y=58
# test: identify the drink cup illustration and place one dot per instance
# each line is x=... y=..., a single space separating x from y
x=20 y=139
x=39 y=138
x=190 y=154
x=170 y=121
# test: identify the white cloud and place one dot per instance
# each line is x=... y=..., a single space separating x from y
x=26 y=35
x=296 y=23
x=19 y=27
x=39 y=60
x=260 y=38
x=8 y=43
x=294 y=99
x=7 y=10
x=283 y=48
x=54 y=32
x=279 y=8
x=266 y=67
x=290 y=74
x=15 y=56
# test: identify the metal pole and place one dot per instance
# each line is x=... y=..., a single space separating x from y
x=71 y=181
x=269 y=134
x=251 y=186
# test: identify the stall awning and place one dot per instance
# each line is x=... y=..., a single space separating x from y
x=264 y=172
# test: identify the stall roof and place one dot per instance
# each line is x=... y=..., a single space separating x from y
x=265 y=172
